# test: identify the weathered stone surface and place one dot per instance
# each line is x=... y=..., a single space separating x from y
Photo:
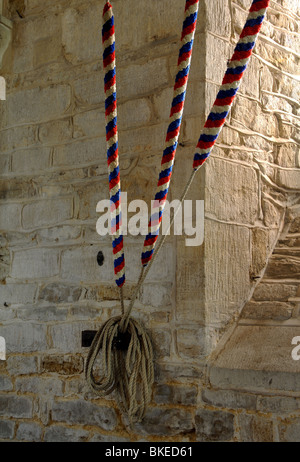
x=35 y=263
x=83 y=412
x=40 y=385
x=214 y=425
x=289 y=431
x=24 y=337
x=171 y=394
x=244 y=349
x=63 y=365
x=7 y=429
x=16 y=294
x=58 y=433
x=60 y=293
x=255 y=429
x=229 y=399
x=15 y=406
x=30 y=160
x=283 y=266
x=5 y=383
x=21 y=365
x=168 y=422
x=260 y=250
x=50 y=212
x=10 y=217
x=278 y=404
x=29 y=431
x=37 y=104
x=274 y=291
x=231 y=191
x=190 y=342
x=278 y=311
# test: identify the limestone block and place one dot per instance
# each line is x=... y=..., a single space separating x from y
x=231 y=191
x=29 y=431
x=65 y=337
x=167 y=422
x=277 y=404
x=289 y=431
x=135 y=113
x=274 y=291
x=17 y=294
x=230 y=399
x=190 y=291
x=283 y=266
x=171 y=394
x=161 y=339
x=47 y=50
x=37 y=104
x=227 y=257
x=10 y=216
x=89 y=124
x=47 y=212
x=5 y=383
x=260 y=250
x=81 y=153
x=85 y=45
x=218 y=18
x=288 y=178
x=50 y=386
x=56 y=131
x=5 y=263
x=139 y=79
x=278 y=311
x=16 y=406
x=17 y=137
x=60 y=293
x=59 y=234
x=62 y=364
x=261 y=348
x=190 y=342
x=5 y=163
x=58 y=433
x=22 y=365
x=255 y=429
x=43 y=313
x=35 y=263
x=24 y=337
x=89 y=89
x=84 y=412
x=217 y=53
x=7 y=428
x=30 y=161
x=214 y=425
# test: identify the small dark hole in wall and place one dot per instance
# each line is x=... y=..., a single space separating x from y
x=87 y=336
x=100 y=258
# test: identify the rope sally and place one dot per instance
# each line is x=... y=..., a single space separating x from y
x=123 y=343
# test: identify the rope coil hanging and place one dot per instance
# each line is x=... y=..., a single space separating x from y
x=123 y=345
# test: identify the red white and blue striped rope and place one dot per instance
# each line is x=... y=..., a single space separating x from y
x=168 y=157
x=212 y=128
x=231 y=81
x=109 y=66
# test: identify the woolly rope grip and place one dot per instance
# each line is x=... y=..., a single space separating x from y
x=181 y=80
x=109 y=65
x=231 y=81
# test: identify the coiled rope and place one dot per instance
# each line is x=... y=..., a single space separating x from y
x=122 y=344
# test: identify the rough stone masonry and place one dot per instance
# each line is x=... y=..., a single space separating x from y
x=245 y=282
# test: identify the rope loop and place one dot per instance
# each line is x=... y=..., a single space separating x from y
x=125 y=364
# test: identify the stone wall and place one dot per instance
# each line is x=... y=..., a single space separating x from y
x=53 y=163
